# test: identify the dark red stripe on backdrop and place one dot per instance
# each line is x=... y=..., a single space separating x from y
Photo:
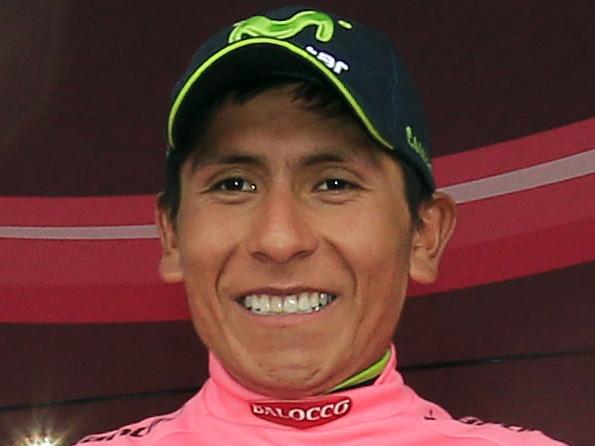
x=515 y=154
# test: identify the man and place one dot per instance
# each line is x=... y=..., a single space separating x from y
x=299 y=202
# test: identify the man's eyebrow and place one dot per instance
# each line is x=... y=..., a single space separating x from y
x=233 y=158
x=322 y=158
x=341 y=155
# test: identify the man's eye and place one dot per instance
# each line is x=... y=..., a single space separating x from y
x=234 y=184
x=335 y=184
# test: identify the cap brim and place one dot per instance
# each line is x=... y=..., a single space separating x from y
x=257 y=56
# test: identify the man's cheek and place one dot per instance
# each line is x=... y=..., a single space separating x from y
x=200 y=240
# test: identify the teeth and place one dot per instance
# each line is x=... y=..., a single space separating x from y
x=255 y=304
x=314 y=300
x=290 y=304
x=277 y=304
x=265 y=304
x=302 y=303
x=248 y=301
x=323 y=298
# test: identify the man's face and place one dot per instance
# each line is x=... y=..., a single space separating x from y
x=284 y=202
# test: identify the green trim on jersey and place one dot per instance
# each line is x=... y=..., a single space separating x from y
x=365 y=375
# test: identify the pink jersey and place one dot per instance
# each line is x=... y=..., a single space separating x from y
x=385 y=413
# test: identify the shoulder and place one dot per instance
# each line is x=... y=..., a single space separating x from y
x=146 y=432
x=487 y=433
x=439 y=427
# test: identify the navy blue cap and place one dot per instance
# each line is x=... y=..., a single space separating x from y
x=359 y=63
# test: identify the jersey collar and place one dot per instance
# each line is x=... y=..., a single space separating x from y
x=226 y=398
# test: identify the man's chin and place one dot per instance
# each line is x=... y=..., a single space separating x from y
x=286 y=389
x=279 y=380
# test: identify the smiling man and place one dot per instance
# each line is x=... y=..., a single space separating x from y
x=299 y=203
x=294 y=241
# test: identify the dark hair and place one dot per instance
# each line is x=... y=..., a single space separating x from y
x=313 y=96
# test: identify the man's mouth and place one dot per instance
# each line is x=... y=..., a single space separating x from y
x=305 y=302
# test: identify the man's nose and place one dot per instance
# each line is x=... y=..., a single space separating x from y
x=280 y=230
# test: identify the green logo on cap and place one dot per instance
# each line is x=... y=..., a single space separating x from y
x=261 y=26
x=417 y=146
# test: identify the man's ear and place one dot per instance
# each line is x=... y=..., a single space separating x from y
x=438 y=218
x=170 y=265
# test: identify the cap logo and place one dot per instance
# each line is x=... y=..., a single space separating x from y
x=417 y=146
x=302 y=414
x=261 y=26
x=337 y=66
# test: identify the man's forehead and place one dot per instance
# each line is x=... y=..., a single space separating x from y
x=246 y=130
